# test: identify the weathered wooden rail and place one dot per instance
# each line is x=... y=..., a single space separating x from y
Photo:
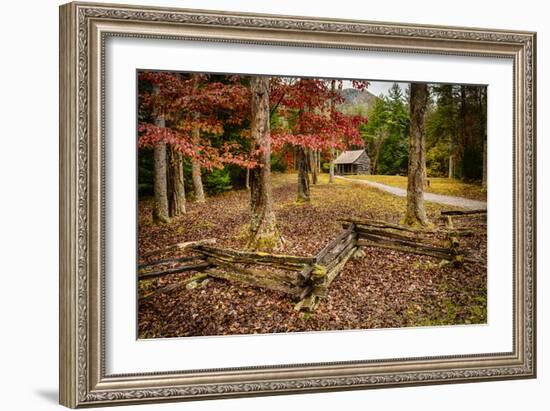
x=441 y=243
x=307 y=279
x=380 y=234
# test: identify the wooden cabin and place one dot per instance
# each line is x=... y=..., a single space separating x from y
x=353 y=162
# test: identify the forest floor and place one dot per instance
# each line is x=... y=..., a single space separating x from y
x=384 y=289
x=438 y=185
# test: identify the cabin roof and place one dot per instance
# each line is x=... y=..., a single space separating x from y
x=349 y=157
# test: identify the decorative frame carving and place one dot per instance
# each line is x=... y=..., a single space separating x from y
x=83 y=30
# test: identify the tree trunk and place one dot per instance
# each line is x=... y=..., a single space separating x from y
x=483 y=131
x=425 y=171
x=160 y=208
x=303 y=181
x=331 y=168
x=451 y=166
x=176 y=188
x=247 y=183
x=484 y=175
x=416 y=214
x=332 y=108
x=313 y=166
x=462 y=143
x=380 y=139
x=264 y=234
x=197 y=180
x=195 y=163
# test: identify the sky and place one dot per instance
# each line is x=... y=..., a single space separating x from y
x=379 y=87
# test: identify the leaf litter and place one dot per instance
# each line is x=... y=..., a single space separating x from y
x=383 y=289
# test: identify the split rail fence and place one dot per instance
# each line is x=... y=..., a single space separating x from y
x=306 y=280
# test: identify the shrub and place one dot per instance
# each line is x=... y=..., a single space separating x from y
x=218 y=181
x=278 y=163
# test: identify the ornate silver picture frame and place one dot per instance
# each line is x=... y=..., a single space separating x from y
x=84 y=29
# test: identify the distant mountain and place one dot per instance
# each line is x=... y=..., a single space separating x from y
x=356 y=101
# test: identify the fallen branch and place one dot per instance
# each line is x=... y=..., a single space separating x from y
x=330 y=246
x=443 y=254
x=228 y=258
x=385 y=224
x=404 y=243
x=463 y=212
x=180 y=246
x=171 y=261
x=255 y=257
x=199 y=280
x=191 y=267
x=310 y=303
x=362 y=230
x=340 y=248
x=306 y=273
x=332 y=273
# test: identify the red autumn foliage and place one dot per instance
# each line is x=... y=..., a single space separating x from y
x=197 y=109
x=311 y=123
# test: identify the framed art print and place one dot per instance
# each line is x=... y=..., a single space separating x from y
x=259 y=204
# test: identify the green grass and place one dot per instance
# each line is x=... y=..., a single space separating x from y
x=438 y=185
x=451 y=313
x=358 y=199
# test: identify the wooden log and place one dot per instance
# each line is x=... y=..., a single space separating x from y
x=342 y=256
x=385 y=224
x=260 y=282
x=200 y=280
x=171 y=261
x=359 y=253
x=337 y=250
x=459 y=232
x=463 y=212
x=305 y=291
x=361 y=229
x=179 y=246
x=400 y=233
x=334 y=257
x=197 y=281
x=327 y=248
x=411 y=244
x=257 y=256
x=306 y=273
x=332 y=273
x=287 y=278
x=441 y=255
x=454 y=245
x=231 y=258
x=309 y=303
x=191 y=267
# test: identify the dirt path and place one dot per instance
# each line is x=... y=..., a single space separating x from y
x=434 y=198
